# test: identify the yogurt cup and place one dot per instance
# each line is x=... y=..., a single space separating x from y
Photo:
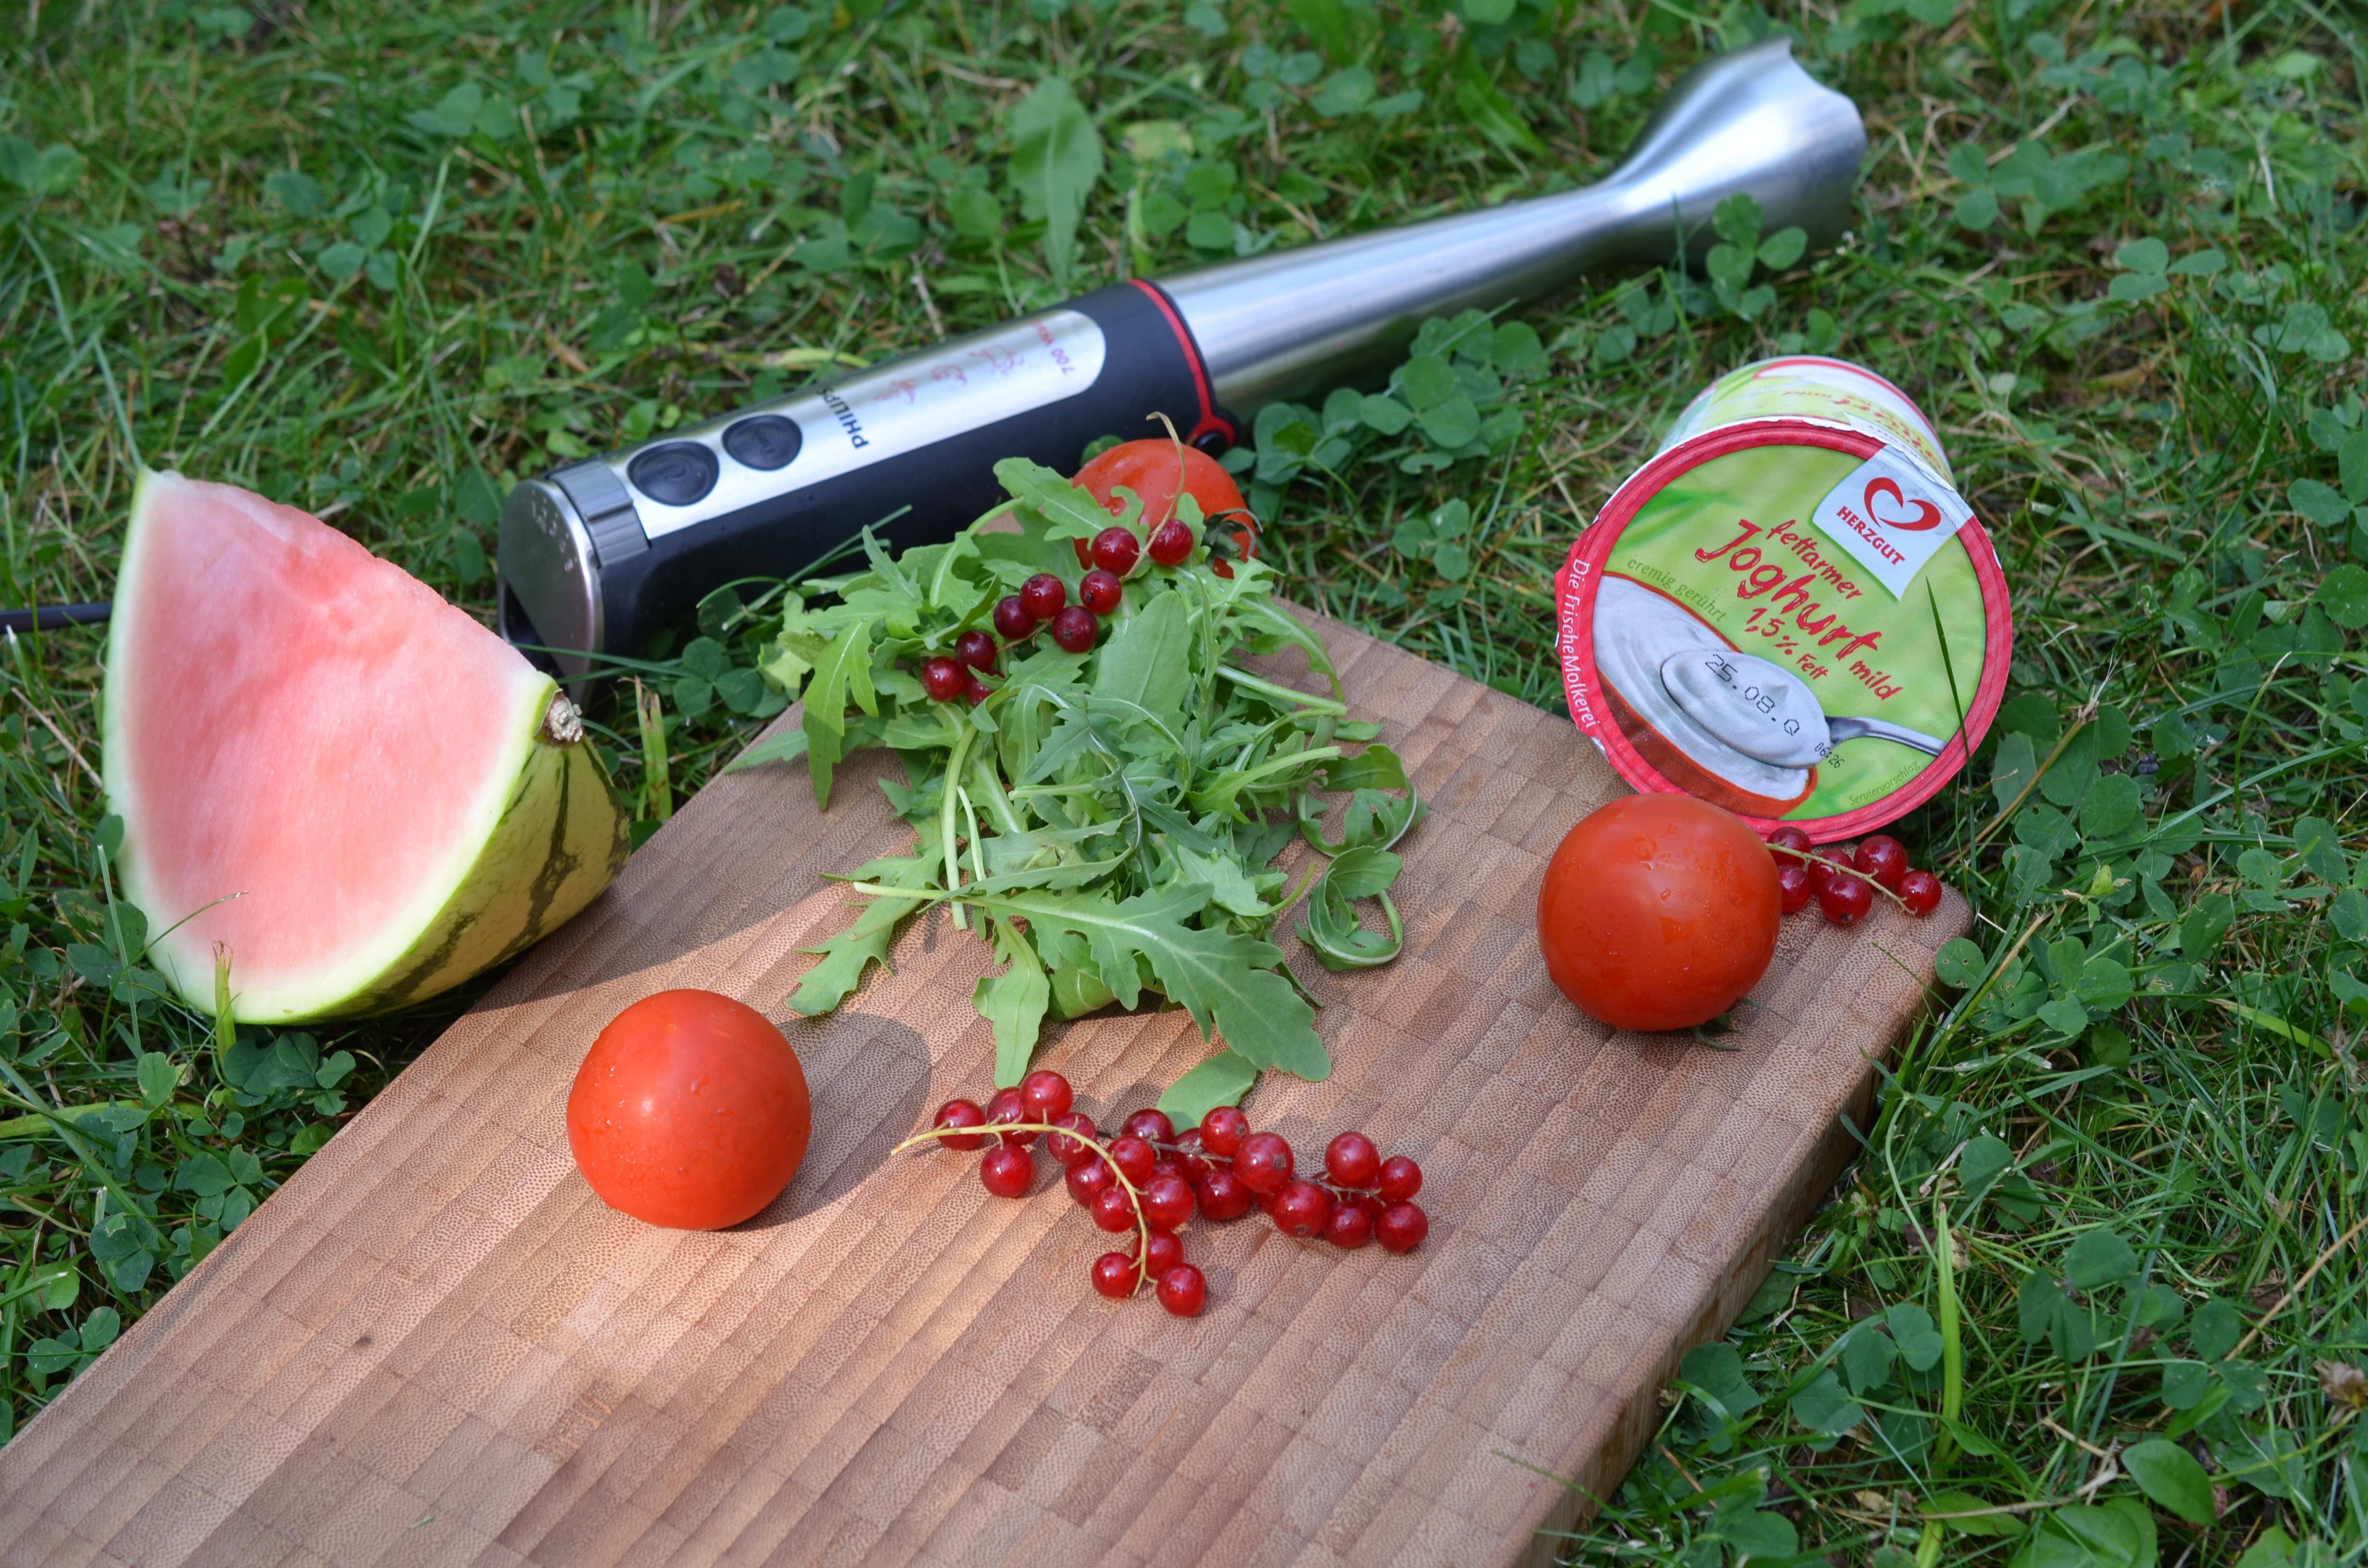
x=1788 y=611
x=1810 y=386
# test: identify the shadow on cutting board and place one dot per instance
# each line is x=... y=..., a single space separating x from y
x=869 y=1078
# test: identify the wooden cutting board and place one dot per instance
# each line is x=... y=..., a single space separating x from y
x=434 y=1345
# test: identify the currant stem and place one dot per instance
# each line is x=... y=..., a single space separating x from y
x=1817 y=860
x=1334 y=1188
x=1134 y=1196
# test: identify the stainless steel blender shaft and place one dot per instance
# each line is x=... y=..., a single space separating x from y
x=1289 y=322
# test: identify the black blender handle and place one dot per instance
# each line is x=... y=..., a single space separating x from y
x=599 y=555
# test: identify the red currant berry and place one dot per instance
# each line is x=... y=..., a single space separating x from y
x=1133 y=1157
x=1884 y=858
x=1100 y=592
x=1193 y=1166
x=1785 y=844
x=1151 y=1125
x=1114 y=1209
x=1042 y=595
x=1352 y=1161
x=1116 y=549
x=1168 y=1201
x=1007 y=1173
x=1047 y=1094
x=1115 y=1275
x=1920 y=891
x=1793 y=887
x=1401 y=1179
x=1012 y=619
x=1821 y=875
x=1162 y=1253
x=1846 y=899
x=1073 y=1151
x=943 y=679
x=1264 y=1162
x=961 y=1113
x=1167 y=1165
x=1171 y=542
x=1349 y=1226
x=1402 y=1227
x=1090 y=1181
x=1007 y=1106
x=1223 y=1196
x=1075 y=629
x=977 y=691
x=976 y=649
x=1222 y=1130
x=1183 y=1291
x=1302 y=1209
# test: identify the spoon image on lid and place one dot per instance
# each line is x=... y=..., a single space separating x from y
x=1766 y=711
x=1638 y=630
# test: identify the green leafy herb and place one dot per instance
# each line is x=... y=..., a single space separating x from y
x=1331 y=929
x=1110 y=818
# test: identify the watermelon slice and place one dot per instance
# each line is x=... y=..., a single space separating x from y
x=356 y=791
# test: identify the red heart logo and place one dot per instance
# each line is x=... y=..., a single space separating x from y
x=1926 y=516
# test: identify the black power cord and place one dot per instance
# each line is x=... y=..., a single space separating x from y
x=53 y=618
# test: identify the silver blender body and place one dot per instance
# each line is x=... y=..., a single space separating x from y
x=598 y=555
x=1292 y=322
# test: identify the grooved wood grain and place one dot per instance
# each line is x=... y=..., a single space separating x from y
x=434 y=1346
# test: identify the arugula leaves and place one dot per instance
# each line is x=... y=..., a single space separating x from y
x=1110 y=818
x=1230 y=980
x=1331 y=927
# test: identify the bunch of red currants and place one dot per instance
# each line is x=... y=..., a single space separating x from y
x=1151 y=1178
x=1844 y=881
x=1110 y=558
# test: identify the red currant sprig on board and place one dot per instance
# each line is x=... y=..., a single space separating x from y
x=1009 y=1170
x=1152 y=1179
x=1843 y=882
x=1359 y=1197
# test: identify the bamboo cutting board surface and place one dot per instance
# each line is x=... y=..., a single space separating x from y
x=434 y=1345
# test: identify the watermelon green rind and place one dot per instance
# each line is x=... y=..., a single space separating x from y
x=390 y=697
x=562 y=839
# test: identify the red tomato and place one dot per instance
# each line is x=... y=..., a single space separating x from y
x=1659 y=912
x=1148 y=468
x=690 y=1111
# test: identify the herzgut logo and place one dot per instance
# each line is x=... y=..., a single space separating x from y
x=1928 y=516
x=1892 y=515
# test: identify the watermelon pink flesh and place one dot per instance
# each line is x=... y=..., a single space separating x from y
x=295 y=722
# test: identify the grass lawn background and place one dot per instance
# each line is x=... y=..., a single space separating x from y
x=380 y=262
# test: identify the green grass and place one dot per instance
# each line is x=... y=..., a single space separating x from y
x=381 y=262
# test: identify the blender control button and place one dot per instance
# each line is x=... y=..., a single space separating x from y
x=765 y=441
x=679 y=473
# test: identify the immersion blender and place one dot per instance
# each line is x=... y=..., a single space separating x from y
x=596 y=555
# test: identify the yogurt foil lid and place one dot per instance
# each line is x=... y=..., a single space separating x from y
x=1796 y=620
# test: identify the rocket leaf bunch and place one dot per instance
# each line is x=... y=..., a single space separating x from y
x=1108 y=819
